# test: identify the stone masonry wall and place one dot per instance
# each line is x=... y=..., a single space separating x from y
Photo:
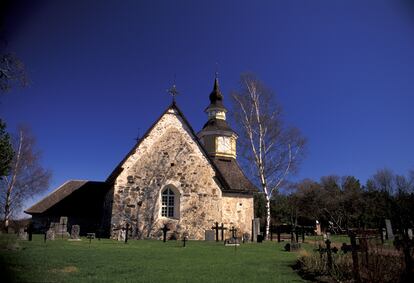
x=168 y=156
x=238 y=212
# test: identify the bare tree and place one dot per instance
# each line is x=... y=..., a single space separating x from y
x=273 y=149
x=26 y=177
x=12 y=72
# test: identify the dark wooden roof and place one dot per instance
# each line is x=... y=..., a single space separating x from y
x=234 y=176
x=217 y=125
x=61 y=193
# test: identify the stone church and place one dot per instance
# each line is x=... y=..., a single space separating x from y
x=172 y=176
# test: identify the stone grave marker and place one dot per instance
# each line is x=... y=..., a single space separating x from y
x=318 y=230
x=23 y=234
x=61 y=229
x=209 y=235
x=121 y=235
x=246 y=237
x=50 y=235
x=390 y=234
x=232 y=242
x=256 y=229
x=74 y=232
x=410 y=233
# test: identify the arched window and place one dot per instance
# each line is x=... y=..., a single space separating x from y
x=167 y=203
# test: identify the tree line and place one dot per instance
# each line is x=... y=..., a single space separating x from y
x=343 y=203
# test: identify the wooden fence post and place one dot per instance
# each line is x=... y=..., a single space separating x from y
x=355 y=258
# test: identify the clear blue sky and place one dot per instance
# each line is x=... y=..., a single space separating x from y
x=99 y=70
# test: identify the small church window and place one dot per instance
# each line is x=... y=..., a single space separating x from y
x=167 y=205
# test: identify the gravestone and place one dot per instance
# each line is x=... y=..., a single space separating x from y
x=54 y=226
x=121 y=235
x=246 y=237
x=61 y=228
x=318 y=230
x=410 y=233
x=209 y=235
x=390 y=234
x=23 y=234
x=231 y=242
x=74 y=232
x=255 y=229
x=50 y=235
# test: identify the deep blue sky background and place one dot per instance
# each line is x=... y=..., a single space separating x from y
x=99 y=70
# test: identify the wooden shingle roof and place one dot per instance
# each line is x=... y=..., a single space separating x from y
x=62 y=192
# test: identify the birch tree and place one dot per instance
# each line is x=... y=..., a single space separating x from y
x=6 y=150
x=26 y=176
x=271 y=149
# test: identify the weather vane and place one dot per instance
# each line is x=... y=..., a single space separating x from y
x=173 y=91
x=217 y=73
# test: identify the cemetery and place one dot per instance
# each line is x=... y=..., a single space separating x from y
x=292 y=254
x=105 y=260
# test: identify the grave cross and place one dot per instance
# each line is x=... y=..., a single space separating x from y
x=30 y=230
x=164 y=231
x=222 y=228
x=126 y=232
x=63 y=224
x=184 y=240
x=233 y=232
x=217 y=228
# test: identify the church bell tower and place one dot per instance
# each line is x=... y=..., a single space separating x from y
x=218 y=138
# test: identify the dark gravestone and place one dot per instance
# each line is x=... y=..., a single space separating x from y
x=74 y=232
x=209 y=235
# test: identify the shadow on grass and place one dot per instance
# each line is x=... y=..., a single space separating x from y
x=6 y=274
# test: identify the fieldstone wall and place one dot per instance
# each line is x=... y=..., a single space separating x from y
x=238 y=212
x=168 y=156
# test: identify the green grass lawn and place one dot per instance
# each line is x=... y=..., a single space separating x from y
x=144 y=261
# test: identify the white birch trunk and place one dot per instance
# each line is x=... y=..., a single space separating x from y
x=8 y=201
